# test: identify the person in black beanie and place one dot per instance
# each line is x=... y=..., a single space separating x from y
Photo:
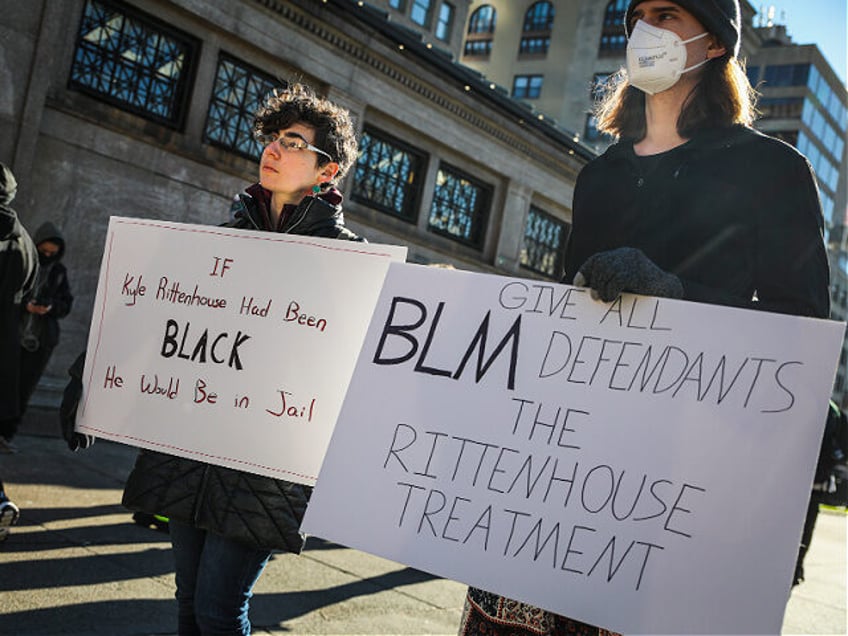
x=690 y=203
x=722 y=18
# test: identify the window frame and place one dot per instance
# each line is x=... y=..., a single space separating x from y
x=613 y=40
x=222 y=57
x=440 y=23
x=190 y=46
x=412 y=204
x=428 y=12
x=470 y=45
x=483 y=211
x=527 y=94
x=475 y=21
x=533 y=23
x=558 y=251
x=534 y=45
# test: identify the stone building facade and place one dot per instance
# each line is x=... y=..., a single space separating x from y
x=140 y=108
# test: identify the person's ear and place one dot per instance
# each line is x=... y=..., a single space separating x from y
x=329 y=171
x=714 y=47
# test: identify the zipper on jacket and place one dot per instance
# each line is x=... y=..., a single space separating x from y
x=299 y=220
x=244 y=212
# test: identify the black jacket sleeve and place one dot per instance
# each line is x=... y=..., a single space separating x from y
x=791 y=270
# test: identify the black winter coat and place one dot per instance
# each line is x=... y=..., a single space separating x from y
x=18 y=268
x=735 y=214
x=259 y=511
x=52 y=288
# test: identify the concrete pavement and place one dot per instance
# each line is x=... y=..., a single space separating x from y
x=76 y=564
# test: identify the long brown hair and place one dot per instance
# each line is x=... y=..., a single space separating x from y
x=722 y=97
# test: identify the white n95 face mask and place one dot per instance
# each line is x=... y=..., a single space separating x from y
x=656 y=58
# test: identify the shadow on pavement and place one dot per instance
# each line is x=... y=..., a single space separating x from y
x=130 y=617
x=269 y=610
x=84 y=570
x=117 y=534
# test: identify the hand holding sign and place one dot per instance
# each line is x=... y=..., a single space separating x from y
x=183 y=349
x=581 y=456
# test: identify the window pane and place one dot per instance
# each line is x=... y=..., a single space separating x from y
x=445 y=23
x=527 y=86
x=534 y=45
x=483 y=20
x=544 y=243
x=616 y=42
x=459 y=207
x=238 y=93
x=787 y=75
x=478 y=47
x=539 y=17
x=386 y=175
x=130 y=60
x=813 y=79
x=420 y=13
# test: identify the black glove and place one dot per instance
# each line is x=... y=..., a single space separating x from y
x=626 y=269
x=68 y=408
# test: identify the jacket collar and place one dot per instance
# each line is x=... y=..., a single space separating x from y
x=326 y=207
x=708 y=139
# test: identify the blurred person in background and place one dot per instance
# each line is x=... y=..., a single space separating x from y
x=18 y=271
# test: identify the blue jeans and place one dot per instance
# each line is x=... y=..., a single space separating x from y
x=215 y=578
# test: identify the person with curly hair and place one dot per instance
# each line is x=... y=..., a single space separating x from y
x=224 y=523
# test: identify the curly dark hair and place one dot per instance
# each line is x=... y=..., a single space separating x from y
x=298 y=104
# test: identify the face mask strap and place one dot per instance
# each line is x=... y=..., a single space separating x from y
x=694 y=66
x=697 y=37
x=693 y=39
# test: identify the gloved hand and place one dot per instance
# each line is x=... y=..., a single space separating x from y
x=626 y=269
x=68 y=408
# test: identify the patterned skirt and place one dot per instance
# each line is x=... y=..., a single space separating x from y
x=487 y=614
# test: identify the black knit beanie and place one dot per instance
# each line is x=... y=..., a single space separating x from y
x=722 y=18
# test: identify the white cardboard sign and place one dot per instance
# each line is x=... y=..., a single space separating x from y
x=642 y=465
x=229 y=346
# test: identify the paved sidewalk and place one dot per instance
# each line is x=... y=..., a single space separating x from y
x=76 y=564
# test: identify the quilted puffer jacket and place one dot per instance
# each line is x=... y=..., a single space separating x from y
x=252 y=509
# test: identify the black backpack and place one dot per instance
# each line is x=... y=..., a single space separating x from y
x=831 y=483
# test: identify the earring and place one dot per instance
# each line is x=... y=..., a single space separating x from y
x=316 y=189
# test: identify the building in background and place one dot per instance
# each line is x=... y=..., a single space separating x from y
x=144 y=108
x=474 y=118
x=804 y=103
x=441 y=23
x=555 y=54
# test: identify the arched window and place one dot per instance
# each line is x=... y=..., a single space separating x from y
x=483 y=20
x=536 y=38
x=481 y=27
x=539 y=17
x=613 y=37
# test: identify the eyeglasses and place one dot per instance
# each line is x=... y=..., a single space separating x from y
x=289 y=144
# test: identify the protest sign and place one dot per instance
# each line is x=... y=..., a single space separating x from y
x=229 y=346
x=642 y=465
